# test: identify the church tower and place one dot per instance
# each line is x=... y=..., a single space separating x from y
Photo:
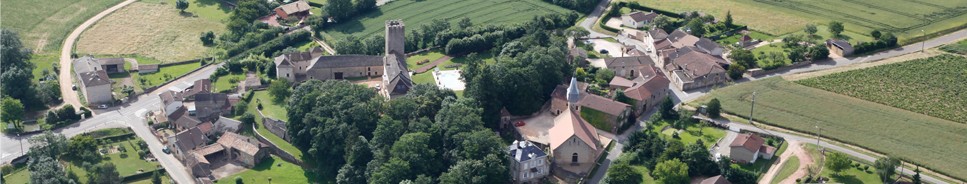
x=395 y=37
x=573 y=94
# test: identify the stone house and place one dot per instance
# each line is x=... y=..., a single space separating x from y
x=246 y=150
x=647 y=90
x=690 y=69
x=747 y=148
x=839 y=47
x=182 y=143
x=615 y=113
x=637 y=19
x=627 y=67
x=528 y=163
x=573 y=142
x=95 y=84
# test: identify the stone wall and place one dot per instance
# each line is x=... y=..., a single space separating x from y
x=277 y=127
x=278 y=151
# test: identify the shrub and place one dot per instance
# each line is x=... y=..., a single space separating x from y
x=238 y=180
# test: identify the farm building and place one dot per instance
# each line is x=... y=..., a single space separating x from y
x=296 y=9
x=112 y=65
x=143 y=69
x=746 y=148
x=839 y=47
x=637 y=19
x=95 y=84
x=301 y=66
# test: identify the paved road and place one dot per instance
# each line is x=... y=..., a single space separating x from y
x=68 y=94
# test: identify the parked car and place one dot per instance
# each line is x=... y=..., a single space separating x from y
x=102 y=106
x=73 y=87
x=165 y=149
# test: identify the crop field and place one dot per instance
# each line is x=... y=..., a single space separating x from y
x=933 y=86
x=149 y=29
x=902 y=17
x=44 y=25
x=933 y=142
x=415 y=13
x=959 y=47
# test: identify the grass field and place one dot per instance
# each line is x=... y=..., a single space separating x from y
x=275 y=168
x=411 y=61
x=904 y=18
x=424 y=78
x=18 y=176
x=128 y=162
x=273 y=111
x=936 y=143
x=958 y=48
x=416 y=13
x=597 y=119
x=44 y=62
x=149 y=29
x=173 y=71
x=933 y=86
x=225 y=82
x=692 y=133
x=786 y=169
x=44 y=25
x=165 y=179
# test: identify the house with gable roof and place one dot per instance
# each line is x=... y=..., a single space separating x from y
x=574 y=143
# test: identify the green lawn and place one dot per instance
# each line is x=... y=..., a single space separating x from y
x=692 y=133
x=774 y=47
x=19 y=176
x=958 y=48
x=165 y=179
x=645 y=174
x=418 y=12
x=914 y=137
x=424 y=78
x=209 y=9
x=786 y=169
x=735 y=38
x=225 y=82
x=853 y=175
x=44 y=62
x=275 y=168
x=44 y=25
x=933 y=86
x=411 y=62
x=172 y=71
x=597 y=119
x=273 y=111
x=128 y=162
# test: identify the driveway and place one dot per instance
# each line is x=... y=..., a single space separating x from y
x=614 y=49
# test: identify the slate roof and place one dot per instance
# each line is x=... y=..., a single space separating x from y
x=750 y=142
x=525 y=150
x=110 y=61
x=208 y=104
x=603 y=104
x=241 y=143
x=399 y=76
x=295 y=7
x=95 y=78
x=642 y=16
x=568 y=124
x=342 y=61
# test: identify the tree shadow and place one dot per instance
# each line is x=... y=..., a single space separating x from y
x=848 y=179
x=186 y=14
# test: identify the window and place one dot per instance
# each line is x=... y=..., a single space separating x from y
x=574 y=158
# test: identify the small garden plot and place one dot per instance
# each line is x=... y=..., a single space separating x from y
x=271 y=110
x=228 y=82
x=43 y=63
x=771 y=56
x=691 y=134
x=422 y=59
x=18 y=176
x=275 y=169
x=164 y=74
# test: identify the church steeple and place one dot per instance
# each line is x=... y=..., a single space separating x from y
x=573 y=94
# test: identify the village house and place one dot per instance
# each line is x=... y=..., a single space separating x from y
x=182 y=143
x=95 y=84
x=637 y=19
x=298 y=9
x=574 y=144
x=627 y=67
x=528 y=163
x=615 y=113
x=746 y=148
x=719 y=179
x=237 y=149
x=301 y=66
x=691 y=69
x=647 y=90
x=839 y=47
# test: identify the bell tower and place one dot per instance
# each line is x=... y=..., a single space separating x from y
x=395 y=36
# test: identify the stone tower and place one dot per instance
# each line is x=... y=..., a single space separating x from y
x=394 y=36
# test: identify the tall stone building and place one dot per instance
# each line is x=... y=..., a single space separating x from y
x=301 y=66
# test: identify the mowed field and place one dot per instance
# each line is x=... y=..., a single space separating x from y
x=905 y=18
x=152 y=30
x=415 y=13
x=933 y=86
x=43 y=25
x=935 y=143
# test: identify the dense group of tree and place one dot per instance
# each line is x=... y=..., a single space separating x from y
x=47 y=148
x=17 y=87
x=426 y=136
x=340 y=10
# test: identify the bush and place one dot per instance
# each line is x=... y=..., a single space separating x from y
x=238 y=180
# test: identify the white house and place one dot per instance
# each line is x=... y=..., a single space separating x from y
x=637 y=19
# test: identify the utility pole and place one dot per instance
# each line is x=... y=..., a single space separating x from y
x=924 y=42
x=752 y=109
x=818 y=130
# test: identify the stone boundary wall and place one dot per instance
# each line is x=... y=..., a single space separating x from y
x=276 y=150
x=755 y=72
x=277 y=127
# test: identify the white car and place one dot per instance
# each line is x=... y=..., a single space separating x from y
x=102 y=106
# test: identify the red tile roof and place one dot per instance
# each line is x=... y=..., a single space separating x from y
x=750 y=142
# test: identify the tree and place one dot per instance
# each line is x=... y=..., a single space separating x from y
x=392 y=172
x=16 y=71
x=837 y=162
x=415 y=148
x=664 y=23
x=886 y=168
x=12 y=110
x=84 y=148
x=811 y=29
x=491 y=170
x=671 y=171
x=365 y=5
x=248 y=119
x=156 y=177
x=577 y=32
x=916 y=176
x=736 y=71
x=714 y=108
x=465 y=23
x=105 y=173
x=279 y=89
x=743 y=57
x=696 y=27
x=876 y=34
x=818 y=52
x=604 y=75
x=48 y=144
x=699 y=161
x=181 y=5
x=239 y=180
x=207 y=38
x=667 y=109
x=728 y=19
x=622 y=173
x=339 y=9
x=836 y=28
x=44 y=169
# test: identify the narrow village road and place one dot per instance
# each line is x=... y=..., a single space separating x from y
x=774 y=169
x=64 y=75
x=805 y=161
